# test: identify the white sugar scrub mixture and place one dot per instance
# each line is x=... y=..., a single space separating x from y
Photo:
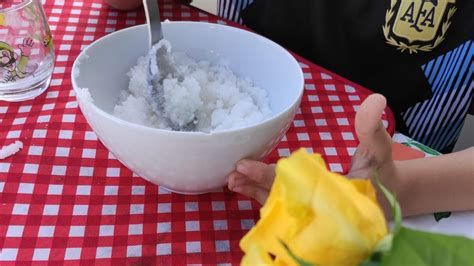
x=212 y=93
x=11 y=149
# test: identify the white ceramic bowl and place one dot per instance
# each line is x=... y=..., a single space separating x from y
x=187 y=162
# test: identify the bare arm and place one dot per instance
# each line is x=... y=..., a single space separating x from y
x=441 y=183
x=426 y=185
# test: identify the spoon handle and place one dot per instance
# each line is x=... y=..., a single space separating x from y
x=152 y=13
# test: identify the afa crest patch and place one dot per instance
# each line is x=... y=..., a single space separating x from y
x=417 y=25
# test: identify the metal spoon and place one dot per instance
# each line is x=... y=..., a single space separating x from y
x=160 y=66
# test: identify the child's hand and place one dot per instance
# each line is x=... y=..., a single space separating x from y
x=374 y=152
x=254 y=179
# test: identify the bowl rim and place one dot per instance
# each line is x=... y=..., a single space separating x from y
x=83 y=55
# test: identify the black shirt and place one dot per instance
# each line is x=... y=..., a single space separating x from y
x=348 y=38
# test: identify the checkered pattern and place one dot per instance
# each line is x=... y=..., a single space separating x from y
x=66 y=199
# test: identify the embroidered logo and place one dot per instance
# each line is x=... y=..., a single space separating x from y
x=417 y=25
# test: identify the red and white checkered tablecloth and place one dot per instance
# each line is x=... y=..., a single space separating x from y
x=65 y=199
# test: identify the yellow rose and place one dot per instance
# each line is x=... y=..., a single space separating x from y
x=2 y=20
x=323 y=217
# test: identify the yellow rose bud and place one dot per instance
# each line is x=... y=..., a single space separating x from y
x=323 y=217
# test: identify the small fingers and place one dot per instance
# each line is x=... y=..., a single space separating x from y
x=237 y=179
x=368 y=118
x=369 y=128
x=263 y=174
x=363 y=164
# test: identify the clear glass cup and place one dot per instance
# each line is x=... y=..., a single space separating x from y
x=26 y=50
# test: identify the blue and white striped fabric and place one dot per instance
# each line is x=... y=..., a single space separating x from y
x=230 y=9
x=437 y=122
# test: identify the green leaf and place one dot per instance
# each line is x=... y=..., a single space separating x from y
x=298 y=260
x=412 y=247
x=370 y=263
x=373 y=260
x=441 y=215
